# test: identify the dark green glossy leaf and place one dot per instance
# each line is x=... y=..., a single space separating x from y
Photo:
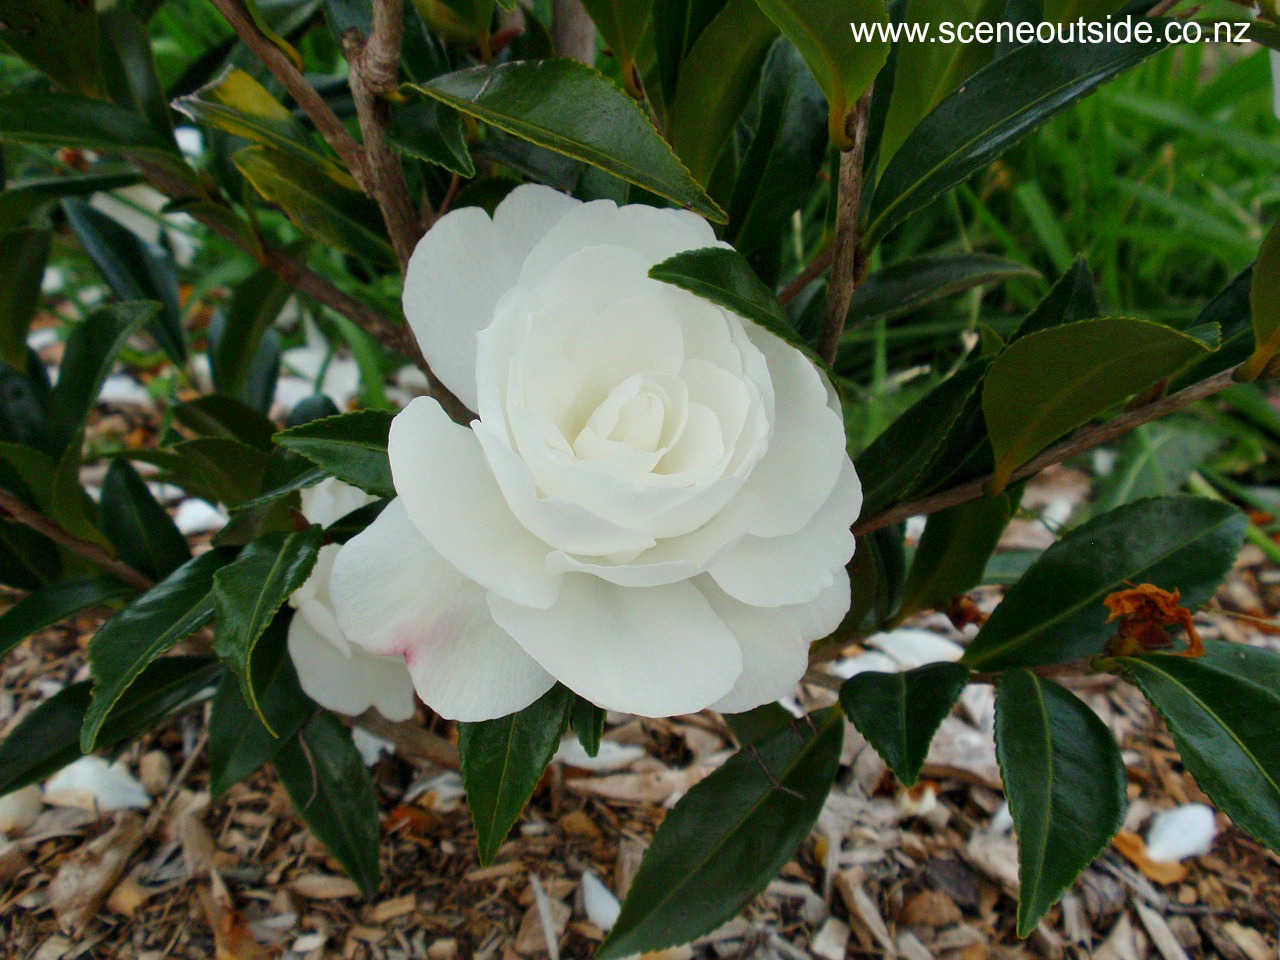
x=237 y=104
x=140 y=529
x=72 y=508
x=843 y=64
x=170 y=611
x=724 y=277
x=58 y=38
x=248 y=593
x=129 y=68
x=214 y=415
x=716 y=80
x=351 y=447
x=54 y=603
x=778 y=171
x=1045 y=384
x=502 y=762
x=622 y=24
x=135 y=270
x=677 y=24
x=1221 y=710
x=1155 y=460
x=1231 y=312
x=255 y=304
x=1055 y=613
x=754 y=725
x=1264 y=300
x=911 y=284
x=899 y=713
x=22 y=198
x=239 y=743
x=1074 y=297
x=431 y=131
x=588 y=723
x=996 y=108
x=728 y=837
x=90 y=354
x=543 y=103
x=49 y=738
x=26 y=253
x=228 y=471
x=70 y=120
x=320 y=205
x=332 y=791
x=954 y=550
x=1065 y=781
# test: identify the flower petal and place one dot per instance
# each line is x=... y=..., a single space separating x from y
x=449 y=492
x=350 y=682
x=460 y=269
x=396 y=594
x=778 y=571
x=655 y=652
x=775 y=642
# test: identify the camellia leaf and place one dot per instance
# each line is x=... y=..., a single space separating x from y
x=954 y=550
x=503 y=760
x=824 y=31
x=899 y=713
x=432 y=131
x=540 y=102
x=58 y=38
x=622 y=24
x=215 y=415
x=1065 y=781
x=588 y=724
x=170 y=611
x=91 y=352
x=350 y=446
x=1264 y=298
x=1055 y=613
x=255 y=304
x=26 y=253
x=677 y=24
x=141 y=530
x=724 y=277
x=1155 y=460
x=320 y=205
x=22 y=198
x=136 y=271
x=70 y=120
x=911 y=284
x=49 y=737
x=1074 y=297
x=248 y=593
x=786 y=152
x=1221 y=710
x=1044 y=385
x=129 y=68
x=716 y=80
x=54 y=603
x=728 y=837
x=238 y=104
x=333 y=792
x=240 y=743
x=993 y=110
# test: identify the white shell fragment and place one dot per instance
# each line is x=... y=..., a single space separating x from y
x=91 y=783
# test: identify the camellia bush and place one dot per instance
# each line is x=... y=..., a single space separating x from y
x=633 y=260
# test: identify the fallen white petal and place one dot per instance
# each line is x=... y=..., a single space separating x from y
x=913 y=648
x=601 y=905
x=199 y=516
x=870 y=662
x=611 y=756
x=1185 y=831
x=18 y=810
x=371 y=746
x=91 y=783
x=123 y=390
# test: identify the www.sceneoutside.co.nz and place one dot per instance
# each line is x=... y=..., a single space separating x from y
x=1111 y=30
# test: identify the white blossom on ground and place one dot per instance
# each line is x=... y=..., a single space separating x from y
x=653 y=505
x=336 y=674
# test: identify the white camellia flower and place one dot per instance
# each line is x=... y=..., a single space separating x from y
x=654 y=504
x=334 y=673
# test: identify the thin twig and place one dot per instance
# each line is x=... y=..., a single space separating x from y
x=817 y=267
x=284 y=70
x=1080 y=442
x=411 y=739
x=849 y=261
x=93 y=552
x=375 y=75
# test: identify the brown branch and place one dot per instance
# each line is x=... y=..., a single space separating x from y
x=1080 y=442
x=411 y=739
x=809 y=274
x=849 y=261
x=375 y=75
x=95 y=553
x=306 y=96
